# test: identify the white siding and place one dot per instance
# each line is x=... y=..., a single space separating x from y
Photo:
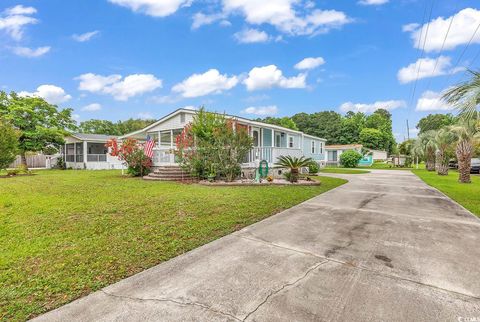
x=175 y=122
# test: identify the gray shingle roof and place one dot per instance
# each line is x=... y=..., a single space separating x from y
x=96 y=137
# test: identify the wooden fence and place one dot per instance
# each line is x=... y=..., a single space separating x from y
x=33 y=161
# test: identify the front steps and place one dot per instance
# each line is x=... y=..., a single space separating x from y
x=169 y=173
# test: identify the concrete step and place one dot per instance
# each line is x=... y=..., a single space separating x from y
x=152 y=178
x=169 y=175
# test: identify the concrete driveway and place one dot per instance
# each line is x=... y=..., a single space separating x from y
x=384 y=247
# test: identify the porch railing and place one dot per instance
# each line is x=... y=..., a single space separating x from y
x=96 y=158
x=164 y=156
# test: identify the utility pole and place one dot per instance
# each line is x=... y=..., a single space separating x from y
x=408 y=131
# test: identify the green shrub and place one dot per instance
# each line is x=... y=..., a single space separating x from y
x=288 y=176
x=313 y=167
x=350 y=159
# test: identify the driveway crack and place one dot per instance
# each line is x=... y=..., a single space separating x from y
x=275 y=292
x=201 y=305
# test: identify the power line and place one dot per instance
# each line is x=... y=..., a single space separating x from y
x=461 y=56
x=422 y=53
x=441 y=50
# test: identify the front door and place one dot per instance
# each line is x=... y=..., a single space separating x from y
x=256 y=137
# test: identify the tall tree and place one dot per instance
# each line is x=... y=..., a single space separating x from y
x=8 y=144
x=326 y=124
x=110 y=128
x=352 y=125
x=280 y=121
x=444 y=140
x=465 y=96
x=40 y=124
x=435 y=122
x=426 y=144
x=381 y=120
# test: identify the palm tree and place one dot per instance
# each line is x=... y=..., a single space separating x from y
x=465 y=96
x=468 y=134
x=294 y=164
x=425 y=145
x=444 y=140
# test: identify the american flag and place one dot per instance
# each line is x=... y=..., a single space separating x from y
x=148 y=147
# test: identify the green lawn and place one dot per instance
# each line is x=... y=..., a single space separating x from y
x=464 y=194
x=343 y=170
x=389 y=166
x=64 y=234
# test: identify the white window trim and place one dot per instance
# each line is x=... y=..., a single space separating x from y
x=312 y=146
x=292 y=141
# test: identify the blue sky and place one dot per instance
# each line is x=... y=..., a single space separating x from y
x=115 y=59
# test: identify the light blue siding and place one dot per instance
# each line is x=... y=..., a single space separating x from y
x=319 y=150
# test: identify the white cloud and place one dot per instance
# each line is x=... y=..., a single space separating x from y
x=14 y=20
x=368 y=108
x=463 y=27
x=372 y=2
x=201 y=19
x=30 y=52
x=410 y=27
x=92 y=107
x=261 y=110
x=96 y=83
x=432 y=101
x=154 y=8
x=288 y=16
x=85 y=36
x=424 y=68
x=310 y=63
x=51 y=93
x=189 y=107
x=270 y=76
x=207 y=83
x=248 y=36
x=121 y=90
x=145 y=116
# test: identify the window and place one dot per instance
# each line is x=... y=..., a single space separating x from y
x=321 y=147
x=256 y=138
x=182 y=117
x=332 y=156
x=290 y=141
x=313 y=147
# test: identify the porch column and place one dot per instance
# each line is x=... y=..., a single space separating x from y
x=158 y=143
x=273 y=139
x=65 y=152
x=85 y=150
x=75 y=152
x=172 y=158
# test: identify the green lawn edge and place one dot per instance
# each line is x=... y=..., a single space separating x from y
x=66 y=234
x=465 y=194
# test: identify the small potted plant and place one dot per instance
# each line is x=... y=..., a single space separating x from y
x=211 y=175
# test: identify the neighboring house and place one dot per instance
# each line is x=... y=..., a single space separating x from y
x=333 y=152
x=269 y=141
x=379 y=155
x=88 y=151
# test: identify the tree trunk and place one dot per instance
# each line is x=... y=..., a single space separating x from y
x=430 y=163
x=294 y=175
x=441 y=164
x=464 y=152
x=23 y=159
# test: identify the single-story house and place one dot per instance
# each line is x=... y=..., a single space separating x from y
x=333 y=152
x=88 y=151
x=269 y=141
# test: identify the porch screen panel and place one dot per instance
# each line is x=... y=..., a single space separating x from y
x=267 y=137
x=165 y=139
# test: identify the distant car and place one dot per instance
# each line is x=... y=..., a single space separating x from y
x=453 y=164
x=475 y=166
